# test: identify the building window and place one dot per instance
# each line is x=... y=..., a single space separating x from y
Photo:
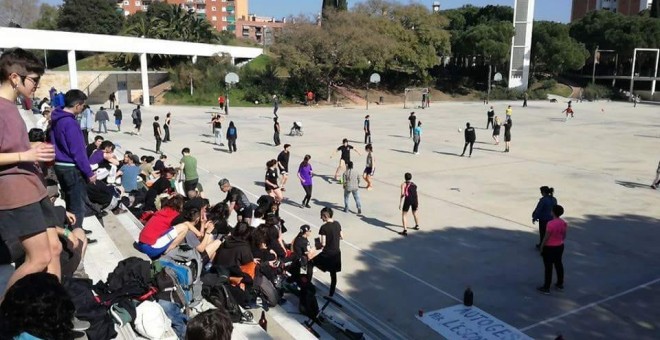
x=213 y=9
x=214 y=18
x=126 y=3
x=224 y=18
x=224 y=9
x=137 y=3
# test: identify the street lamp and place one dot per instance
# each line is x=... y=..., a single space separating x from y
x=375 y=78
x=230 y=79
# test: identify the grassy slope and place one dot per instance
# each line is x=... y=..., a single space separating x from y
x=97 y=62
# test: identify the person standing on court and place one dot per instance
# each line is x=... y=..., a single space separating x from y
x=507 y=134
x=188 y=165
x=351 y=181
x=216 y=123
x=102 y=118
x=158 y=134
x=470 y=138
x=345 y=150
x=552 y=250
x=276 y=105
x=496 y=130
x=276 y=132
x=283 y=165
x=408 y=200
x=118 y=117
x=221 y=102
x=509 y=112
x=329 y=260
x=137 y=120
x=490 y=114
x=412 y=121
x=166 y=127
x=543 y=211
x=370 y=167
x=367 y=130
x=112 y=99
x=525 y=97
x=305 y=174
x=417 y=137
x=232 y=136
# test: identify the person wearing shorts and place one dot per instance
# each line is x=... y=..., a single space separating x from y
x=407 y=201
x=237 y=201
x=283 y=164
x=345 y=150
x=507 y=134
x=270 y=181
x=496 y=130
x=24 y=213
x=159 y=236
x=370 y=169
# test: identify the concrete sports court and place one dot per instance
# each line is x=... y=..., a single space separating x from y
x=475 y=212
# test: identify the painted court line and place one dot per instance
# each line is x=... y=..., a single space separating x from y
x=590 y=305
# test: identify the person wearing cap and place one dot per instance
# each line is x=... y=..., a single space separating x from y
x=237 y=201
x=303 y=253
x=102 y=117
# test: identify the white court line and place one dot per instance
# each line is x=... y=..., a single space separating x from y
x=593 y=304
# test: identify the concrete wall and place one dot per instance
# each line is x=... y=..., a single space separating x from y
x=99 y=84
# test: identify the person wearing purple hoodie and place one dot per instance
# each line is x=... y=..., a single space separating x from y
x=71 y=163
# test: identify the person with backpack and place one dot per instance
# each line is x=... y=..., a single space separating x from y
x=407 y=201
x=470 y=138
x=118 y=117
x=232 y=136
x=543 y=211
x=137 y=120
x=329 y=260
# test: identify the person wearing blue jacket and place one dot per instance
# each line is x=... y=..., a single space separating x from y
x=543 y=211
x=71 y=163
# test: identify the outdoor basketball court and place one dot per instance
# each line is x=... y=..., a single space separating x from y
x=475 y=212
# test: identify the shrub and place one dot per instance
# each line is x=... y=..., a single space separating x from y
x=596 y=92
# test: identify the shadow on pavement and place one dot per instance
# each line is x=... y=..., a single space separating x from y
x=402 y=151
x=448 y=153
x=327 y=204
x=633 y=184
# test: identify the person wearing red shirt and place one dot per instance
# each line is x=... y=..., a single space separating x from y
x=159 y=236
x=552 y=249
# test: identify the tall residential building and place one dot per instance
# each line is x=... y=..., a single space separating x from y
x=258 y=29
x=626 y=7
x=222 y=14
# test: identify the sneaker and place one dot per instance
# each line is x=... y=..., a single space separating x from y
x=345 y=209
x=87 y=232
x=307 y=205
x=416 y=227
x=404 y=233
x=80 y=325
x=543 y=290
x=359 y=212
x=559 y=287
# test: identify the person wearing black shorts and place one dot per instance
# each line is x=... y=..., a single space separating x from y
x=237 y=201
x=329 y=260
x=507 y=134
x=283 y=165
x=496 y=130
x=345 y=150
x=409 y=200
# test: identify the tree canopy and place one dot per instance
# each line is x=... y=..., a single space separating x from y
x=48 y=17
x=90 y=16
x=554 y=51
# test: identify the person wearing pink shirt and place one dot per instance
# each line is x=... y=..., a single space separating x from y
x=552 y=249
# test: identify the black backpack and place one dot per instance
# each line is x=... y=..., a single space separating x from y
x=308 y=305
x=88 y=309
x=220 y=297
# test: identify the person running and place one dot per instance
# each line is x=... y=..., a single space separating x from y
x=552 y=250
x=412 y=121
x=656 y=181
x=490 y=114
x=470 y=138
x=351 y=181
x=276 y=106
x=305 y=174
x=409 y=200
x=543 y=211
x=276 y=132
x=345 y=149
x=118 y=117
x=237 y=201
x=329 y=260
x=216 y=123
x=136 y=115
x=24 y=205
x=221 y=102
x=507 y=134
x=232 y=136
x=283 y=164
x=370 y=168
x=367 y=130
x=568 y=110
x=417 y=137
x=188 y=165
x=166 y=127
x=509 y=112
x=270 y=183
x=496 y=130
x=158 y=134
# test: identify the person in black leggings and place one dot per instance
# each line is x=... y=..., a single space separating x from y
x=470 y=138
x=305 y=175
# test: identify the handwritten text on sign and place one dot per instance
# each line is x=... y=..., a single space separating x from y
x=470 y=323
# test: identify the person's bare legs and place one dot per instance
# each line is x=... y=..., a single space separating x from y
x=181 y=231
x=284 y=179
x=403 y=220
x=80 y=234
x=339 y=168
x=54 y=267
x=367 y=179
x=416 y=218
x=497 y=140
x=37 y=257
x=212 y=248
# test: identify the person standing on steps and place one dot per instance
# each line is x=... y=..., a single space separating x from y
x=507 y=134
x=367 y=130
x=136 y=115
x=417 y=137
x=305 y=174
x=216 y=123
x=470 y=138
x=351 y=181
x=276 y=132
x=329 y=260
x=490 y=114
x=345 y=150
x=409 y=200
x=232 y=136
x=283 y=165
x=412 y=123
x=496 y=130
x=543 y=211
x=370 y=167
x=552 y=250
x=166 y=127
x=102 y=118
x=158 y=133
x=118 y=117
x=112 y=99
x=276 y=105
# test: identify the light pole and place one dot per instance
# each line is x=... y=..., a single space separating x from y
x=374 y=78
x=230 y=79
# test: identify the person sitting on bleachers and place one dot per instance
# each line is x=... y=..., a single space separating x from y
x=104 y=156
x=161 y=185
x=159 y=235
x=235 y=251
x=130 y=173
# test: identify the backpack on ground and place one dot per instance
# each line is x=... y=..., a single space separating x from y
x=308 y=305
x=220 y=297
x=180 y=281
x=192 y=259
x=89 y=309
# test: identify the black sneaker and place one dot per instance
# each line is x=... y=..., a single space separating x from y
x=543 y=290
x=307 y=205
x=345 y=209
x=359 y=212
x=404 y=233
x=560 y=287
x=416 y=227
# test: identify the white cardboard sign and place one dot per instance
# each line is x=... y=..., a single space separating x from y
x=470 y=323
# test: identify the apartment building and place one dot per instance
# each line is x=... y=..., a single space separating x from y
x=258 y=29
x=580 y=8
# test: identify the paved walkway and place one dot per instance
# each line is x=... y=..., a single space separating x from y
x=475 y=212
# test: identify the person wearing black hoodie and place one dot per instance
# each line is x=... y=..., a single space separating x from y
x=236 y=250
x=470 y=138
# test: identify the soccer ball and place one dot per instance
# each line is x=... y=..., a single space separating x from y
x=256 y=102
x=460 y=130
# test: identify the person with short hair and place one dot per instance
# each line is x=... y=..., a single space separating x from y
x=216 y=123
x=412 y=123
x=305 y=174
x=112 y=99
x=470 y=138
x=276 y=106
x=490 y=114
x=129 y=174
x=102 y=117
x=417 y=137
x=303 y=254
x=345 y=157
x=136 y=115
x=118 y=118
x=91 y=147
x=86 y=123
x=351 y=181
x=213 y=324
x=188 y=165
x=162 y=185
x=408 y=199
x=232 y=136
x=329 y=260
x=552 y=250
x=283 y=164
x=158 y=134
x=236 y=200
x=271 y=183
x=543 y=211
x=370 y=168
x=276 y=132
x=367 y=130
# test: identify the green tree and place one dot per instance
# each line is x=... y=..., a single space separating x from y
x=554 y=51
x=22 y=13
x=90 y=16
x=48 y=16
x=333 y=5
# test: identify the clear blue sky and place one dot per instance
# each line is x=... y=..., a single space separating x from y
x=554 y=10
